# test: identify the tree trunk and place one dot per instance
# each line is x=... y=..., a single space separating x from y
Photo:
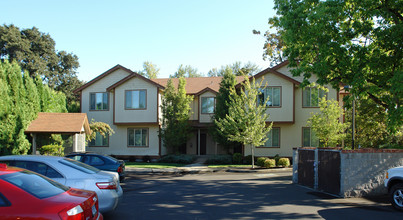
x=253 y=157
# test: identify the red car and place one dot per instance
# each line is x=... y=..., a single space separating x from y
x=28 y=195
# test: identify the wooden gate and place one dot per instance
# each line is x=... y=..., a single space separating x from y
x=329 y=171
x=306 y=174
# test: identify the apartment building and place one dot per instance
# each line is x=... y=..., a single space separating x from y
x=130 y=104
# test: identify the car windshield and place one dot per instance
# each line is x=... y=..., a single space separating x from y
x=79 y=166
x=38 y=186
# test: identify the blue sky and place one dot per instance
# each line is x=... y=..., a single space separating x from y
x=203 y=34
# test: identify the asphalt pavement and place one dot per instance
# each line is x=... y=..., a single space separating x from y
x=218 y=194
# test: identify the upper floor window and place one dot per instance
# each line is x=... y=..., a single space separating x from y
x=99 y=141
x=207 y=105
x=309 y=138
x=274 y=94
x=274 y=138
x=311 y=96
x=137 y=137
x=99 y=101
x=136 y=99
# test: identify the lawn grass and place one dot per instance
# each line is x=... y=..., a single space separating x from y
x=153 y=165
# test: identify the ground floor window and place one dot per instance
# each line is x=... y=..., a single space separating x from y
x=99 y=141
x=274 y=138
x=137 y=137
x=309 y=138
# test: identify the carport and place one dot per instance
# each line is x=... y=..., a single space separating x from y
x=75 y=124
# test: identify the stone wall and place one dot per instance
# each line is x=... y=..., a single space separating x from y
x=363 y=171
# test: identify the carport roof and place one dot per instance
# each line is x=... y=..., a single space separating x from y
x=59 y=123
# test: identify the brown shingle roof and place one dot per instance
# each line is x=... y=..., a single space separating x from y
x=195 y=85
x=59 y=123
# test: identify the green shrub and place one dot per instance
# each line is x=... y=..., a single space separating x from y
x=283 y=162
x=260 y=161
x=219 y=159
x=276 y=158
x=52 y=150
x=237 y=158
x=247 y=159
x=182 y=158
x=268 y=163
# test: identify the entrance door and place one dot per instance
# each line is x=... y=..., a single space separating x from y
x=203 y=144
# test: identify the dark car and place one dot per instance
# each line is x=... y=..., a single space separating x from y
x=102 y=162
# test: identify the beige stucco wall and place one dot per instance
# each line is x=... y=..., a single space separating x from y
x=100 y=86
x=149 y=114
x=205 y=118
x=118 y=143
x=285 y=112
x=194 y=109
x=290 y=133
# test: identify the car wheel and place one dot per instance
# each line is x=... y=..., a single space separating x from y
x=396 y=196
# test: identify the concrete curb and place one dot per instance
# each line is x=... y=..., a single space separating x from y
x=201 y=169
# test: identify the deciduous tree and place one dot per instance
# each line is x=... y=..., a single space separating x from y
x=186 y=72
x=175 y=109
x=327 y=125
x=35 y=52
x=237 y=68
x=246 y=118
x=150 y=70
x=356 y=43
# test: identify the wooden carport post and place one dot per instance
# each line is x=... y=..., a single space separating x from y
x=33 y=143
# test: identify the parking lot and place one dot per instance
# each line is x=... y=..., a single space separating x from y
x=226 y=195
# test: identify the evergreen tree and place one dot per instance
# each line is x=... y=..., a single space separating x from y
x=227 y=83
x=21 y=100
x=175 y=116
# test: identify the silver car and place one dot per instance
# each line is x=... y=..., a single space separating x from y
x=74 y=174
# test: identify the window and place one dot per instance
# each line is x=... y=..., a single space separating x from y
x=99 y=141
x=94 y=161
x=274 y=96
x=38 y=167
x=274 y=138
x=311 y=96
x=309 y=138
x=207 y=105
x=138 y=137
x=34 y=184
x=99 y=101
x=136 y=99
